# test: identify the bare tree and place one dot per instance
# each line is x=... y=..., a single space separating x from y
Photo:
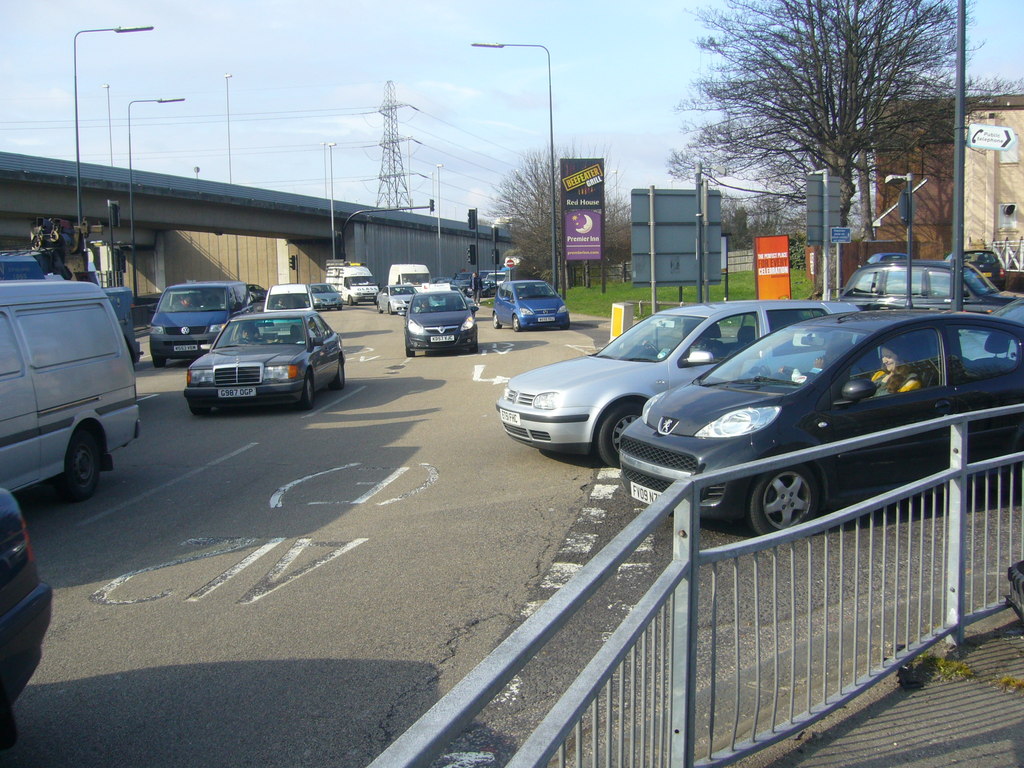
x=800 y=85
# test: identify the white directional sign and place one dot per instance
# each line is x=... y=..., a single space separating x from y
x=980 y=136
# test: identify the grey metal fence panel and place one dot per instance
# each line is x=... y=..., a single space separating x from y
x=709 y=667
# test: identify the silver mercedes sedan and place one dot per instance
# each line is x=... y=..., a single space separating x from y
x=583 y=405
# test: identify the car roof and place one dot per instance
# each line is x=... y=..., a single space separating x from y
x=902 y=265
x=713 y=308
x=289 y=288
x=284 y=314
x=871 y=321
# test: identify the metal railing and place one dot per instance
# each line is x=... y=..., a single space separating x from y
x=736 y=647
x=1011 y=252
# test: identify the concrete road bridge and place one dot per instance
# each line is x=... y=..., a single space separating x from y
x=194 y=229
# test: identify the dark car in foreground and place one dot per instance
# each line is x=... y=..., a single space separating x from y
x=440 y=320
x=884 y=286
x=267 y=358
x=823 y=380
x=25 y=605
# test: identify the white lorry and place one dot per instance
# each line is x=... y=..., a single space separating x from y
x=354 y=282
x=411 y=274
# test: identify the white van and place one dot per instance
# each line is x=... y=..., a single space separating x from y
x=411 y=274
x=287 y=296
x=67 y=386
x=353 y=282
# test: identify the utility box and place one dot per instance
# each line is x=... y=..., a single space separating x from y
x=622 y=317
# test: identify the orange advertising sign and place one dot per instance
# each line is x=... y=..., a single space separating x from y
x=771 y=267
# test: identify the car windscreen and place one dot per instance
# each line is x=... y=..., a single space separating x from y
x=535 y=291
x=188 y=299
x=322 y=288
x=790 y=357
x=978 y=283
x=252 y=332
x=651 y=339
x=447 y=301
x=402 y=290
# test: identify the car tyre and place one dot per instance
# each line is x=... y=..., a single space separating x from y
x=338 y=382
x=410 y=352
x=495 y=321
x=159 y=362
x=782 y=498
x=515 y=324
x=390 y=310
x=200 y=410
x=379 y=310
x=82 y=463
x=308 y=394
x=475 y=348
x=614 y=421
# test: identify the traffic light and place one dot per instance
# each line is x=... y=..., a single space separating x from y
x=472 y=219
x=293 y=261
x=472 y=254
x=431 y=205
x=114 y=213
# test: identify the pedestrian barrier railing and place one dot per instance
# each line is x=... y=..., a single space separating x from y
x=1011 y=252
x=736 y=647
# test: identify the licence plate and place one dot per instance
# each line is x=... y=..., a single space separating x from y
x=236 y=392
x=439 y=339
x=545 y=319
x=508 y=417
x=186 y=347
x=643 y=493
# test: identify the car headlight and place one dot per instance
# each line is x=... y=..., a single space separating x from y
x=156 y=329
x=414 y=327
x=525 y=311
x=199 y=376
x=546 y=401
x=561 y=308
x=280 y=372
x=741 y=422
x=650 y=404
x=468 y=323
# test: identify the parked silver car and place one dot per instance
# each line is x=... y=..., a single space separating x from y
x=583 y=405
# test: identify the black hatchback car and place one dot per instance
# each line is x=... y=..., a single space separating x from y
x=823 y=380
x=884 y=286
x=267 y=358
x=440 y=320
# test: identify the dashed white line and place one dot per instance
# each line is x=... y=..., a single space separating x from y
x=559 y=574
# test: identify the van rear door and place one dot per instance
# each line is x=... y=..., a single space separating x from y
x=19 y=430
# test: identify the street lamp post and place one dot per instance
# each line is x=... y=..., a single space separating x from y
x=439 y=167
x=551 y=139
x=227 y=110
x=110 y=125
x=330 y=151
x=78 y=149
x=131 y=186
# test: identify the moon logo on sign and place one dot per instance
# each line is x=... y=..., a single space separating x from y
x=588 y=224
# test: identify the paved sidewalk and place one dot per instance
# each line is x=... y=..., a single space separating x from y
x=972 y=722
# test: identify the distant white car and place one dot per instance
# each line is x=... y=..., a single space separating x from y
x=288 y=296
x=583 y=405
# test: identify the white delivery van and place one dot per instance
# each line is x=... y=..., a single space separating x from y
x=67 y=386
x=411 y=274
x=287 y=296
x=354 y=282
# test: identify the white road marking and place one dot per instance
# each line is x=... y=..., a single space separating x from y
x=578 y=543
x=275 y=499
x=603 y=491
x=511 y=692
x=610 y=473
x=466 y=760
x=162 y=486
x=379 y=486
x=499 y=347
x=596 y=514
x=334 y=402
x=531 y=608
x=147 y=397
x=559 y=574
x=478 y=376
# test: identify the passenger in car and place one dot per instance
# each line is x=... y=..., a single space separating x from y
x=894 y=375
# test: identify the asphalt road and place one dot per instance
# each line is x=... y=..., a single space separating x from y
x=270 y=587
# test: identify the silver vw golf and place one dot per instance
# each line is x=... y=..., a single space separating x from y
x=582 y=405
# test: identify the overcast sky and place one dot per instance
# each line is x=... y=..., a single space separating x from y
x=306 y=72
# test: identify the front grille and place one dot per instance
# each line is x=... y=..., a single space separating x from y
x=654 y=483
x=521 y=398
x=527 y=434
x=659 y=456
x=230 y=375
x=193 y=330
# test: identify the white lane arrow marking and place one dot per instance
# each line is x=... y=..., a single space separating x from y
x=478 y=376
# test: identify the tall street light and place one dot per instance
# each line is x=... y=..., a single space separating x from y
x=78 y=149
x=131 y=186
x=439 y=167
x=110 y=125
x=227 y=109
x=551 y=139
x=330 y=151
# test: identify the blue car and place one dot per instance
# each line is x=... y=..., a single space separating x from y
x=25 y=604
x=529 y=304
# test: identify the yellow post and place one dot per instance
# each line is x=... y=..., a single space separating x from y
x=622 y=317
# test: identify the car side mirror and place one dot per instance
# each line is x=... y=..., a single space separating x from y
x=318 y=341
x=698 y=357
x=474 y=308
x=856 y=390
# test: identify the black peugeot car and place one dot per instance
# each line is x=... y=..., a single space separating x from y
x=823 y=380
x=267 y=358
x=440 y=320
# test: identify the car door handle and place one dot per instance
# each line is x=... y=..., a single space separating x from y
x=943 y=406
